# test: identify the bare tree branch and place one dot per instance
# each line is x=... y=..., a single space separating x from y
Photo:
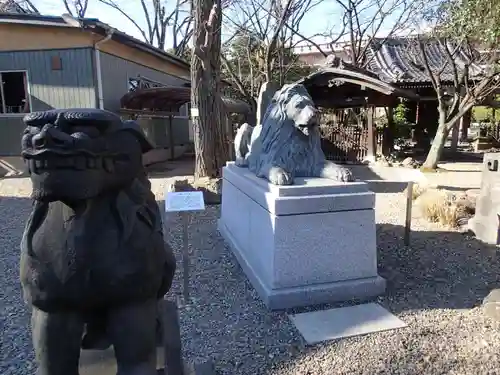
x=158 y=20
x=202 y=51
x=363 y=22
x=266 y=32
x=79 y=6
x=31 y=6
x=115 y=6
x=236 y=80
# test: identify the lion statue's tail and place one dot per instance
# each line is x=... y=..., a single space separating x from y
x=242 y=142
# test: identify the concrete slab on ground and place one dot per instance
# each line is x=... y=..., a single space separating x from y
x=386 y=180
x=102 y=362
x=12 y=166
x=325 y=325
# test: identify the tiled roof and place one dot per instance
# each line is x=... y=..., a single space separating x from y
x=400 y=60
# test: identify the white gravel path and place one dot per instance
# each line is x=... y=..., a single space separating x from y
x=435 y=286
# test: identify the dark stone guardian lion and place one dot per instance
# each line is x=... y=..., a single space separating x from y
x=92 y=253
x=287 y=144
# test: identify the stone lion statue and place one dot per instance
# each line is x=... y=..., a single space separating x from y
x=93 y=260
x=287 y=144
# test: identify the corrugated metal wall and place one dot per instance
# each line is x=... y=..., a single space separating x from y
x=156 y=130
x=72 y=86
x=116 y=72
x=10 y=135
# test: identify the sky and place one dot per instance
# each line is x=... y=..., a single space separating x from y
x=326 y=12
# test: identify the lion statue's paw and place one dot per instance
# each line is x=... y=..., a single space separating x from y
x=335 y=172
x=344 y=175
x=278 y=176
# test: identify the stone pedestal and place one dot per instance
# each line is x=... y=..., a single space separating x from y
x=492 y=304
x=168 y=352
x=310 y=243
x=486 y=222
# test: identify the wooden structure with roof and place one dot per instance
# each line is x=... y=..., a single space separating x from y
x=339 y=85
x=399 y=61
x=169 y=99
x=164 y=102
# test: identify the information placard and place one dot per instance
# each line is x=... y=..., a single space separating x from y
x=184 y=201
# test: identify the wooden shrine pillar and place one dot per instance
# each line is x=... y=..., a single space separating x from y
x=371 y=139
x=454 y=135
x=388 y=136
x=418 y=125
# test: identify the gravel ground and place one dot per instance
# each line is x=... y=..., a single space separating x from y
x=435 y=286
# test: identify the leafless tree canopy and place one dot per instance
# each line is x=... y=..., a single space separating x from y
x=266 y=30
x=161 y=17
x=363 y=20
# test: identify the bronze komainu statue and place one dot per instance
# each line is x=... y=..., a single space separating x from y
x=92 y=253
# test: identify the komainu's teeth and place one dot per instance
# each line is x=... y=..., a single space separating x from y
x=108 y=164
x=39 y=163
x=91 y=163
x=80 y=163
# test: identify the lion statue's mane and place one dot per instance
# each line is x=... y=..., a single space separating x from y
x=287 y=144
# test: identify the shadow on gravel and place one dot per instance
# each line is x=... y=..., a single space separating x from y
x=440 y=269
x=16 y=357
x=376 y=183
x=452 y=188
x=228 y=323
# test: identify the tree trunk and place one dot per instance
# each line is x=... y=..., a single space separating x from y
x=437 y=147
x=209 y=141
x=454 y=136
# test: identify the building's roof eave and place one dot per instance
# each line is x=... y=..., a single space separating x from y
x=123 y=38
x=93 y=25
x=35 y=22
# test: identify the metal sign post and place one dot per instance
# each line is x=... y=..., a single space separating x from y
x=185 y=255
x=409 y=203
x=183 y=202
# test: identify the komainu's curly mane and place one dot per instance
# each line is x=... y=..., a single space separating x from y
x=288 y=143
